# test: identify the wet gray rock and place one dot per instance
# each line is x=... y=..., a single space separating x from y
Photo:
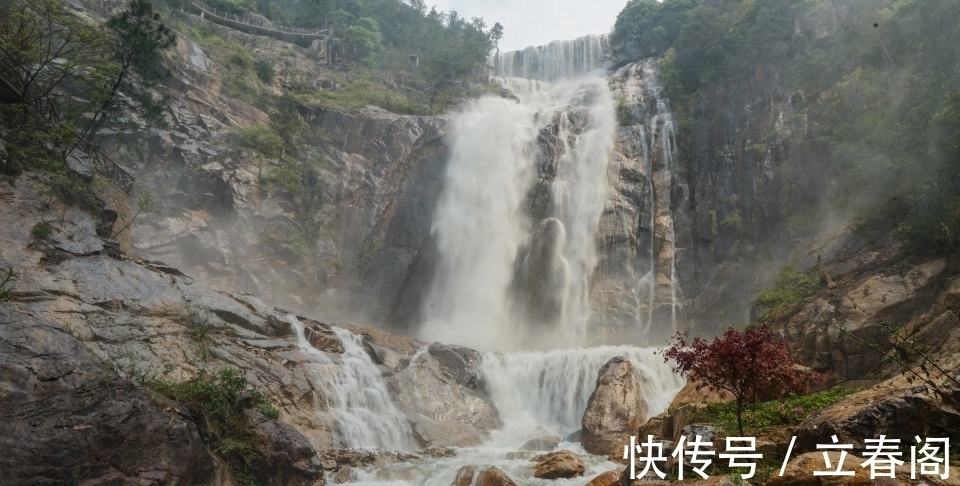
x=75 y=232
x=65 y=418
x=443 y=412
x=615 y=410
x=289 y=459
x=459 y=363
x=545 y=443
x=703 y=432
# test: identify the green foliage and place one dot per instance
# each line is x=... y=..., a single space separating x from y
x=146 y=203
x=647 y=28
x=44 y=46
x=442 y=50
x=32 y=142
x=217 y=404
x=624 y=113
x=71 y=189
x=874 y=124
x=41 y=230
x=234 y=6
x=757 y=417
x=200 y=332
x=784 y=297
x=6 y=284
x=259 y=137
x=243 y=59
x=138 y=38
x=364 y=40
x=264 y=70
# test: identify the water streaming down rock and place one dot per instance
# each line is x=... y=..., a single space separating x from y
x=658 y=302
x=515 y=229
x=365 y=415
x=555 y=61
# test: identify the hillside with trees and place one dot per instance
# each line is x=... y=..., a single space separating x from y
x=874 y=125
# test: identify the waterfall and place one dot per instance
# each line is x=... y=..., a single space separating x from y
x=550 y=389
x=489 y=247
x=556 y=60
x=355 y=392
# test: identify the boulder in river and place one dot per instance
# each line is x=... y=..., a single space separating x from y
x=542 y=444
x=556 y=465
x=486 y=476
x=615 y=410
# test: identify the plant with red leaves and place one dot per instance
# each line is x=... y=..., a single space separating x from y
x=745 y=364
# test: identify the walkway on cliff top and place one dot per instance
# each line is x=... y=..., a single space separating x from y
x=249 y=25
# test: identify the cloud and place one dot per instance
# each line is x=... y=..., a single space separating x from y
x=537 y=22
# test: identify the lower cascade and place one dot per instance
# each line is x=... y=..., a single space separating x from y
x=547 y=391
x=538 y=394
x=365 y=416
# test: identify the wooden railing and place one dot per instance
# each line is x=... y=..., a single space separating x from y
x=258 y=23
x=106 y=166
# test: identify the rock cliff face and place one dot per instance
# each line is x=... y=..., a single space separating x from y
x=222 y=224
x=86 y=325
x=691 y=226
x=66 y=418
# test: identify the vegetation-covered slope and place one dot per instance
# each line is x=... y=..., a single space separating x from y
x=875 y=104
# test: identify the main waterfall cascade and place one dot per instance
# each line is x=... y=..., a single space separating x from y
x=501 y=280
x=527 y=185
x=516 y=229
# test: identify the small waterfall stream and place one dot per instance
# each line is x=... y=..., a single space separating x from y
x=366 y=417
x=657 y=285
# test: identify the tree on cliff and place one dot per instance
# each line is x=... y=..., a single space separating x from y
x=745 y=364
x=139 y=37
x=43 y=47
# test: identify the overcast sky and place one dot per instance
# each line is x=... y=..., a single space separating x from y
x=536 y=22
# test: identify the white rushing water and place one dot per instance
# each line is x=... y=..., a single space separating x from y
x=538 y=393
x=482 y=225
x=554 y=61
x=518 y=286
x=365 y=415
x=546 y=392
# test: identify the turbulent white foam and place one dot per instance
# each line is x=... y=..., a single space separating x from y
x=557 y=60
x=537 y=393
x=550 y=389
x=365 y=415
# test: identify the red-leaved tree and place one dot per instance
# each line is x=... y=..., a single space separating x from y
x=745 y=364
